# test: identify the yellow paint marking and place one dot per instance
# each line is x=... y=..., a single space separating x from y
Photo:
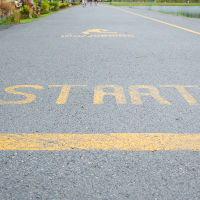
x=96 y=36
x=97 y=31
x=64 y=92
x=69 y=35
x=160 y=21
x=181 y=88
x=135 y=95
x=111 y=141
x=104 y=35
x=29 y=97
x=99 y=94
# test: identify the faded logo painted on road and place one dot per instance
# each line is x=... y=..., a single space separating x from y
x=98 y=33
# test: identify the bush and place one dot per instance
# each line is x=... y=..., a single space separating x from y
x=62 y=5
x=51 y=7
x=25 y=9
x=11 y=17
x=35 y=16
x=45 y=6
x=55 y=4
x=5 y=8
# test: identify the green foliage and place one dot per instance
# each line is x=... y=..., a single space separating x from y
x=45 y=6
x=35 y=16
x=51 y=7
x=62 y=5
x=8 y=20
x=25 y=9
x=55 y=4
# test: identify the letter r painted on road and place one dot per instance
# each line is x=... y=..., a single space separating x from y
x=64 y=92
x=29 y=97
x=99 y=94
x=153 y=91
x=181 y=88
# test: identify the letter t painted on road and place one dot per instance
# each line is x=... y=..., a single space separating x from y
x=64 y=92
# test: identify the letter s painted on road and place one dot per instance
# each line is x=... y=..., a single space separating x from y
x=29 y=97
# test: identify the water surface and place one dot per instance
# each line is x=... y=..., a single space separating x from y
x=188 y=11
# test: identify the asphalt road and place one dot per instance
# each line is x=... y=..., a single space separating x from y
x=129 y=72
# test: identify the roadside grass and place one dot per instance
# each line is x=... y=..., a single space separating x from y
x=9 y=21
x=154 y=4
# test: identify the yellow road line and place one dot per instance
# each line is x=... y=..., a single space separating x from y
x=110 y=141
x=159 y=21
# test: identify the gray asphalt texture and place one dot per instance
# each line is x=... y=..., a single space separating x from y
x=158 y=54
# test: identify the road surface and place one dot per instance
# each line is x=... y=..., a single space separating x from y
x=100 y=102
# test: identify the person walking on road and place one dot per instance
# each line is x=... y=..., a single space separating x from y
x=84 y=2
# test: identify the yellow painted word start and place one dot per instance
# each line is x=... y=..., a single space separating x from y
x=99 y=93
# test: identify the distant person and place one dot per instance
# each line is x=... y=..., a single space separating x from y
x=84 y=2
x=110 y=2
x=96 y=2
x=90 y=2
